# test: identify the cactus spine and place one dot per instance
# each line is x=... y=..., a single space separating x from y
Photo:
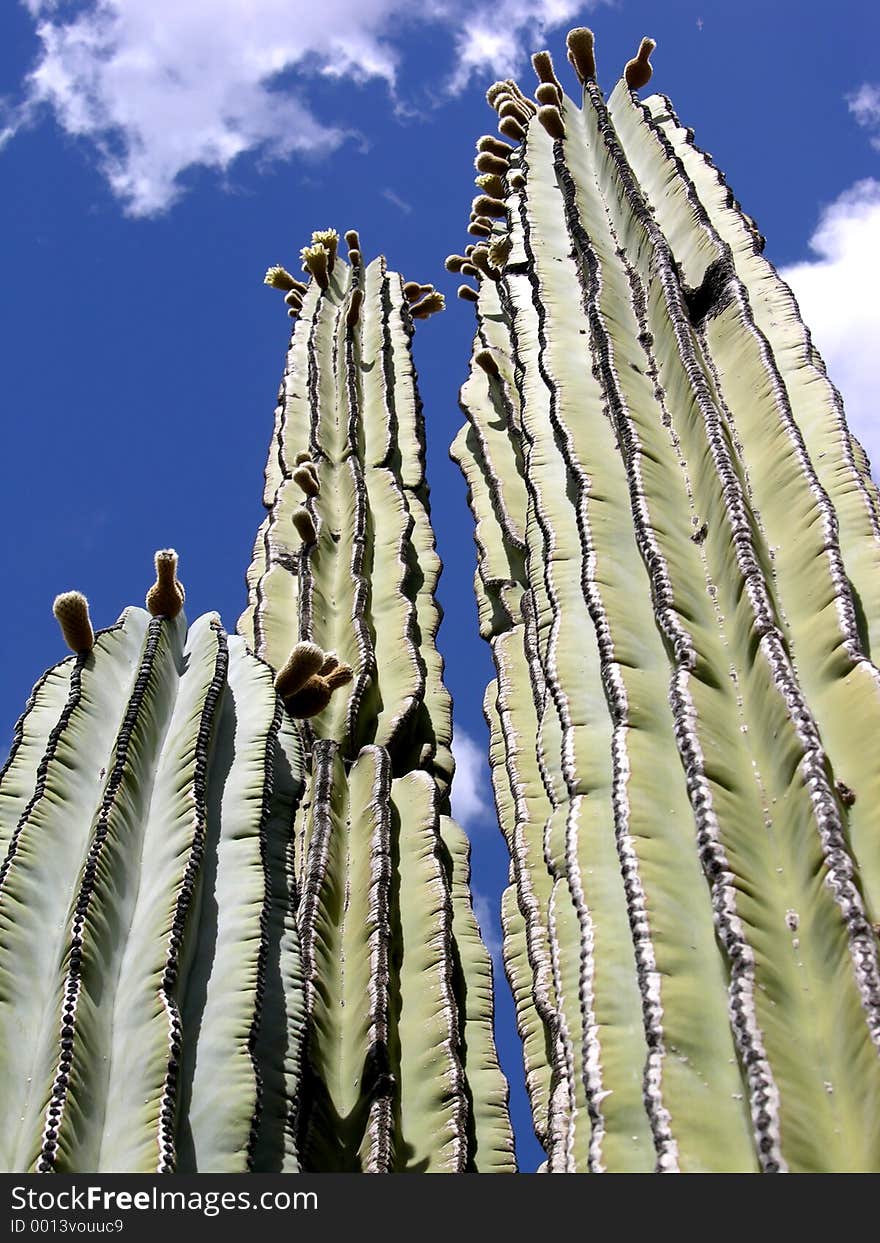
x=401 y=1070
x=148 y=951
x=678 y=547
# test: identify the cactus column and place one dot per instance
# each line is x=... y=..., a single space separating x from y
x=678 y=552
x=151 y=991
x=401 y=1070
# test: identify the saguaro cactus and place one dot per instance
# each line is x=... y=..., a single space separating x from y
x=401 y=1070
x=151 y=992
x=678 y=546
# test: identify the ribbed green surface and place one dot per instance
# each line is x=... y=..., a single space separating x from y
x=677 y=572
x=401 y=1069
x=146 y=911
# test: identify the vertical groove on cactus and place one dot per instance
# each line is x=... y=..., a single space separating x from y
x=409 y=1080
x=677 y=547
x=156 y=826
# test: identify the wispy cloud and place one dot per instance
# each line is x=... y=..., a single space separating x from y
x=397 y=201
x=837 y=294
x=472 y=786
x=164 y=86
x=487 y=917
x=864 y=104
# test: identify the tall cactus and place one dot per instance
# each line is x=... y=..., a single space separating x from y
x=401 y=1069
x=678 y=545
x=151 y=988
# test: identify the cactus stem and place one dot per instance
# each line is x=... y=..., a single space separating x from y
x=166 y=597
x=581 y=45
x=71 y=611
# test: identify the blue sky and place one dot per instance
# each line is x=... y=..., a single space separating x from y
x=156 y=157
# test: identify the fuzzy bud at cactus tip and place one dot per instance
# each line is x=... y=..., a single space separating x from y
x=480 y=228
x=494 y=146
x=542 y=63
x=467 y=293
x=303 y=663
x=329 y=239
x=638 y=71
x=547 y=93
x=279 y=278
x=551 y=119
x=339 y=675
x=581 y=45
x=429 y=305
x=491 y=185
x=488 y=162
x=453 y=263
x=485 y=206
x=71 y=611
x=307 y=480
x=511 y=128
x=166 y=597
x=486 y=360
x=302 y=457
x=352 y=239
x=304 y=526
x=316 y=261
x=499 y=250
x=354 y=308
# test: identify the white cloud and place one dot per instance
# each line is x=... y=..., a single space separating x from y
x=837 y=295
x=497 y=38
x=163 y=86
x=471 y=786
x=864 y=104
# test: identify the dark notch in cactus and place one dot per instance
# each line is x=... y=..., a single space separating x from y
x=664 y=487
x=342 y=604
x=145 y=822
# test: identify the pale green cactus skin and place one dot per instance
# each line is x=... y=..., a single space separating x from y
x=678 y=550
x=151 y=988
x=401 y=1072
